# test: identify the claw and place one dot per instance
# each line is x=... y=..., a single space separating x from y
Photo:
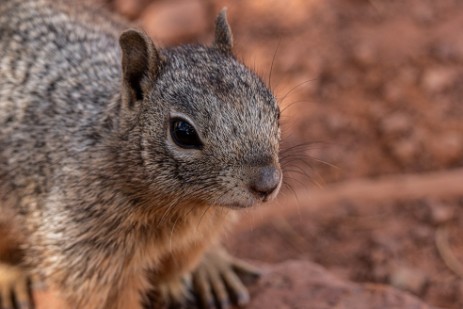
x=217 y=283
x=174 y=294
x=248 y=273
x=218 y=288
x=203 y=289
x=240 y=292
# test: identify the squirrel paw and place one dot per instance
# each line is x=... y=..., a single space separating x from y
x=14 y=288
x=176 y=293
x=217 y=282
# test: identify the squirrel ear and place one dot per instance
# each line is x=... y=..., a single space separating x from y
x=140 y=64
x=223 y=34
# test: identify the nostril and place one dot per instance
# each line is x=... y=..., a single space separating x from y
x=266 y=180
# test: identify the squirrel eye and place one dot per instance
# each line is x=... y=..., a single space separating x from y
x=184 y=134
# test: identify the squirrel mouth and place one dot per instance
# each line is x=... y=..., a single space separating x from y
x=239 y=205
x=248 y=203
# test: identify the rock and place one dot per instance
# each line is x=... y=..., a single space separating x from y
x=423 y=13
x=441 y=213
x=446 y=148
x=406 y=151
x=130 y=8
x=176 y=21
x=280 y=15
x=365 y=54
x=301 y=284
x=445 y=50
x=436 y=80
x=409 y=279
x=397 y=124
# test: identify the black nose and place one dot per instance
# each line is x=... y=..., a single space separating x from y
x=266 y=180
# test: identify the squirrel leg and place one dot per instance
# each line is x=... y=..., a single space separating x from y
x=172 y=279
x=14 y=281
x=217 y=280
x=14 y=288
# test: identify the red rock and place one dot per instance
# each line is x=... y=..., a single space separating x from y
x=130 y=8
x=175 y=21
x=301 y=284
x=408 y=278
x=446 y=148
x=439 y=79
x=441 y=213
x=397 y=123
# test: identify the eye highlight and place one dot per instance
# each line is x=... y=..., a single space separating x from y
x=184 y=134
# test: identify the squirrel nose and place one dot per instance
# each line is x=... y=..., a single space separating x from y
x=266 y=181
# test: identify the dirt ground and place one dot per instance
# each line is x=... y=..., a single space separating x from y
x=373 y=134
x=370 y=90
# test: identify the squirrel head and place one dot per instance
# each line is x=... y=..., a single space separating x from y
x=208 y=126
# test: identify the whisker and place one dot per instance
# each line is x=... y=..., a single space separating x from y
x=291 y=104
x=296 y=180
x=288 y=185
x=271 y=65
x=294 y=88
x=325 y=162
x=201 y=218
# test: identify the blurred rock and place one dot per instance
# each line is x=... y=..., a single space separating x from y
x=365 y=54
x=438 y=79
x=131 y=9
x=422 y=233
x=298 y=284
x=423 y=12
x=176 y=21
x=406 y=151
x=397 y=124
x=409 y=279
x=445 y=51
x=277 y=16
x=440 y=213
x=446 y=148
x=403 y=140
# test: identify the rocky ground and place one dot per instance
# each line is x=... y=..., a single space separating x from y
x=373 y=145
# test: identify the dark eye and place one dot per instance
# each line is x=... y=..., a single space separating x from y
x=184 y=134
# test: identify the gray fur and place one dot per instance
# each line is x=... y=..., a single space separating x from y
x=94 y=182
x=223 y=36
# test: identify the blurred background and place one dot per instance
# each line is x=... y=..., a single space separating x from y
x=371 y=93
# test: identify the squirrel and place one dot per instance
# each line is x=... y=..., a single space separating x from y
x=123 y=163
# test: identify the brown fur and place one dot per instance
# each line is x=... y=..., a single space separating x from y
x=107 y=196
